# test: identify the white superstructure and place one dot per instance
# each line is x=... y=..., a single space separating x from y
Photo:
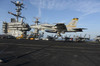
x=15 y=27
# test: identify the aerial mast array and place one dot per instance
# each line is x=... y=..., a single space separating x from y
x=19 y=6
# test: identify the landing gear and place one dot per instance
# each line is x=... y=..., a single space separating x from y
x=59 y=35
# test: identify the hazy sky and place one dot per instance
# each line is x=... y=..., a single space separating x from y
x=53 y=11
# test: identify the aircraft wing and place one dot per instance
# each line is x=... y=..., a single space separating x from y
x=79 y=29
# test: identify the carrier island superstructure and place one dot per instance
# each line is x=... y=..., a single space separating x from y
x=16 y=27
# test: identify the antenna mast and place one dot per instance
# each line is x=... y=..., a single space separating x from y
x=19 y=6
x=37 y=20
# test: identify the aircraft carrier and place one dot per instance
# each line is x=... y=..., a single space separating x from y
x=25 y=52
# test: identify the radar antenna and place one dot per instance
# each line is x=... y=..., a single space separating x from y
x=37 y=20
x=19 y=6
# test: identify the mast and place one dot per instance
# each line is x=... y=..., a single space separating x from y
x=19 y=6
x=37 y=20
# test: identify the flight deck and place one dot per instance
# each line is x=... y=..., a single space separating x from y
x=48 y=53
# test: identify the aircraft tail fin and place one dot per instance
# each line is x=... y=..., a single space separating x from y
x=73 y=23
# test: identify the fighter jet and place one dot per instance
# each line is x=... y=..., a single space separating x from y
x=59 y=27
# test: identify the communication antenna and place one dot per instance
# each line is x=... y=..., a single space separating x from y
x=37 y=20
x=19 y=6
x=23 y=4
